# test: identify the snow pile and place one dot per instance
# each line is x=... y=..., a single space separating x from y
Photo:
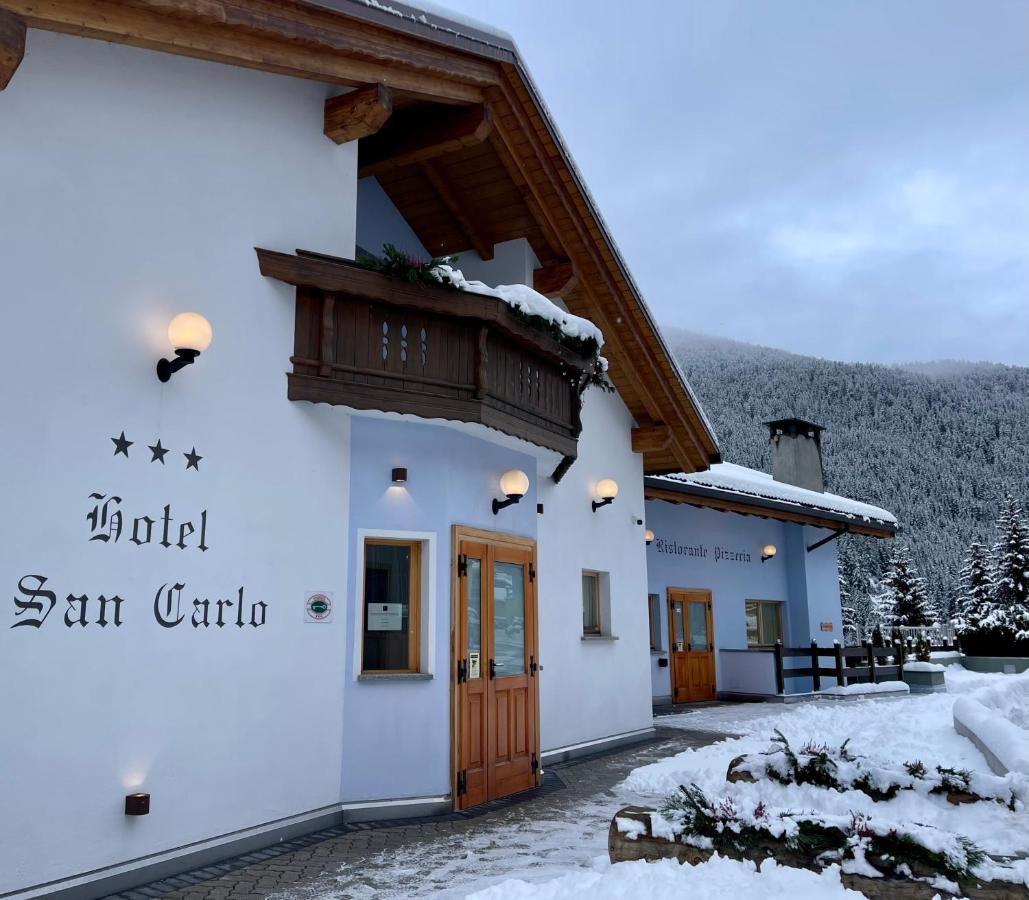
x=857 y=690
x=918 y=666
x=666 y=879
x=1006 y=741
x=741 y=480
x=528 y=301
x=898 y=729
x=1008 y=696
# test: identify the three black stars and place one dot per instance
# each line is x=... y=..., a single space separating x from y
x=157 y=452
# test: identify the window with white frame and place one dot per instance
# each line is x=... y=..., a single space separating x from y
x=591 y=613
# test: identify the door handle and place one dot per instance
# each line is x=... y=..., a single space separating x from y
x=492 y=669
x=532 y=666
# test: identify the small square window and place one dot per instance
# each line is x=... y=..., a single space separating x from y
x=392 y=579
x=591 y=622
x=764 y=623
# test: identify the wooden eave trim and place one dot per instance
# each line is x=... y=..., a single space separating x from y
x=287 y=38
x=351 y=280
x=12 y=45
x=647 y=354
x=769 y=511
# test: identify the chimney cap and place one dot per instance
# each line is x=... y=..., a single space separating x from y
x=794 y=426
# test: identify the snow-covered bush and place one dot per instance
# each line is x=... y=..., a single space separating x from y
x=858 y=842
x=838 y=769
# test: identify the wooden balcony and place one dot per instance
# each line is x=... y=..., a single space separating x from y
x=368 y=341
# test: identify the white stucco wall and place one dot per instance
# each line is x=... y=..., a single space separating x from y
x=591 y=689
x=134 y=186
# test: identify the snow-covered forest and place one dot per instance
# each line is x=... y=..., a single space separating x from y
x=937 y=444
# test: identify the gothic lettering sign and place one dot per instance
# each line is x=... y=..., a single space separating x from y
x=111 y=522
x=702 y=551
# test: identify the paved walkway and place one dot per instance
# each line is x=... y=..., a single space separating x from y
x=563 y=826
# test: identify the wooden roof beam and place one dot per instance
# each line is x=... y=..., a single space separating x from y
x=458 y=209
x=359 y=114
x=556 y=280
x=12 y=45
x=423 y=135
x=301 y=40
x=651 y=438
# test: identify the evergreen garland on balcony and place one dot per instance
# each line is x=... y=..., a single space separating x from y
x=398 y=264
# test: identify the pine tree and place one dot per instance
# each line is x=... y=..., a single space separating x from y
x=975 y=601
x=905 y=601
x=1011 y=572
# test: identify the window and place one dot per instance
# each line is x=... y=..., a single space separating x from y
x=764 y=623
x=654 y=611
x=392 y=578
x=591 y=603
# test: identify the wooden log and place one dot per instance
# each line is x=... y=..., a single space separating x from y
x=12 y=45
x=350 y=117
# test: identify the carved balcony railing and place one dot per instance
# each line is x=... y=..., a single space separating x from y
x=369 y=341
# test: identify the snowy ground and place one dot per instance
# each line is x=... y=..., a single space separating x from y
x=893 y=728
x=562 y=853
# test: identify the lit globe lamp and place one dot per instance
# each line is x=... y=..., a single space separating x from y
x=768 y=551
x=190 y=335
x=607 y=490
x=514 y=484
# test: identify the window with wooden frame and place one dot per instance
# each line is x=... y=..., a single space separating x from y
x=654 y=612
x=591 y=623
x=391 y=620
x=764 y=623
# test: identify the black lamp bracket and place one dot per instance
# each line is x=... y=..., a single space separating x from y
x=168 y=367
x=605 y=502
x=503 y=504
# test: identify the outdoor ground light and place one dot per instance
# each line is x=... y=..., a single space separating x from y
x=190 y=335
x=137 y=804
x=648 y=536
x=399 y=475
x=514 y=483
x=768 y=551
x=607 y=490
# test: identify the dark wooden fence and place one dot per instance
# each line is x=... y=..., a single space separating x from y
x=848 y=664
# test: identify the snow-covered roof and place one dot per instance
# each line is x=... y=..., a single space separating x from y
x=741 y=482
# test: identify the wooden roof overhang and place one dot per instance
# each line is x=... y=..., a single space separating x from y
x=511 y=177
x=706 y=497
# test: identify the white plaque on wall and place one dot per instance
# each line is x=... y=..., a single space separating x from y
x=385 y=616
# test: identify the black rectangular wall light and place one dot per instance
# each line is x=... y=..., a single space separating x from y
x=137 y=804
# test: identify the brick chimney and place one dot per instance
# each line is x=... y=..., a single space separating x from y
x=797 y=453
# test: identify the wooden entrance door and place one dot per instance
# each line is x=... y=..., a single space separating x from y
x=691 y=646
x=496 y=697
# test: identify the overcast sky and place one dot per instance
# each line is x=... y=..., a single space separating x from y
x=845 y=178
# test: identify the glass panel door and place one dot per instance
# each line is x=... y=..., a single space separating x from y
x=698 y=625
x=678 y=626
x=474 y=627
x=509 y=618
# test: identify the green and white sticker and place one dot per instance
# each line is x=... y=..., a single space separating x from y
x=318 y=606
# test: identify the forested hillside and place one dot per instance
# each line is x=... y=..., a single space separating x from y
x=937 y=444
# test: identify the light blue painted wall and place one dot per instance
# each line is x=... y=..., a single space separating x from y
x=379 y=222
x=806 y=582
x=396 y=735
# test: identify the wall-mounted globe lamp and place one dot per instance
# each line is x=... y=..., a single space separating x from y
x=607 y=490
x=648 y=536
x=768 y=551
x=190 y=335
x=515 y=484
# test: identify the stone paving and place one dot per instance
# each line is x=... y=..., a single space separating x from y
x=565 y=825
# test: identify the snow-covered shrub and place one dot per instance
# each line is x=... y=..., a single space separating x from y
x=885 y=850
